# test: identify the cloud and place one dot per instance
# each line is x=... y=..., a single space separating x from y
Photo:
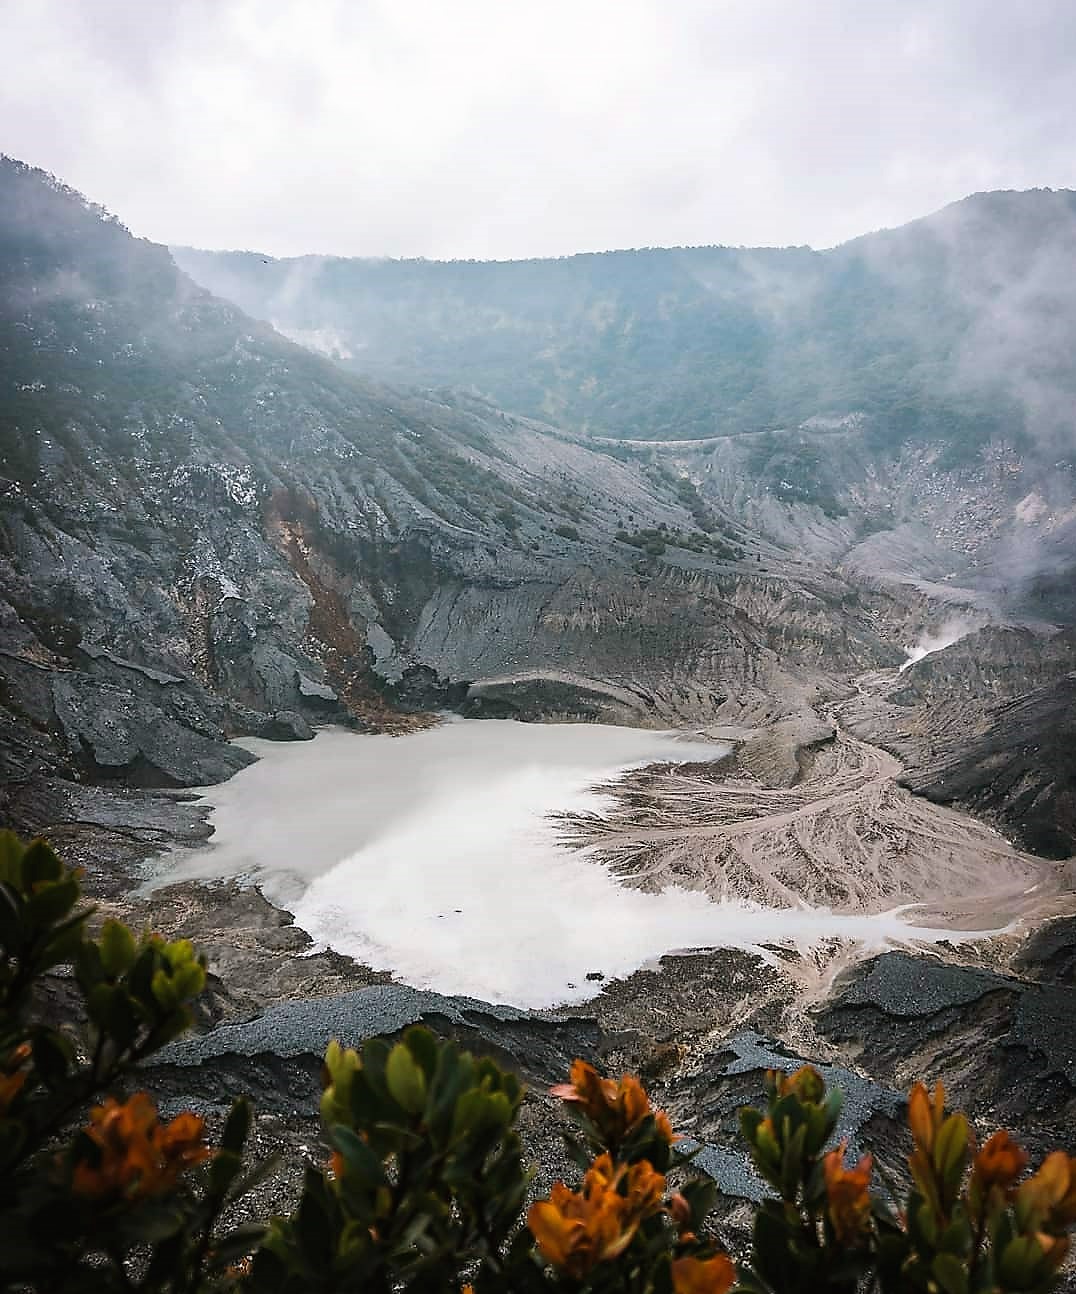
x=486 y=129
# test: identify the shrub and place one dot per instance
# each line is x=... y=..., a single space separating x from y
x=120 y=1196
x=425 y=1184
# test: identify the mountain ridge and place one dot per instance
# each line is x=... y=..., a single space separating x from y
x=978 y=196
x=209 y=531
x=953 y=326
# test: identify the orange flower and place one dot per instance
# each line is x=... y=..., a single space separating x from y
x=613 y=1107
x=806 y=1083
x=925 y=1115
x=137 y=1155
x=645 y=1189
x=663 y=1127
x=13 y=1076
x=1049 y=1198
x=703 y=1275
x=577 y=1230
x=999 y=1163
x=847 y=1195
x=1055 y=1248
x=679 y=1210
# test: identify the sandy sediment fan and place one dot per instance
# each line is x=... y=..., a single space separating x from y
x=845 y=836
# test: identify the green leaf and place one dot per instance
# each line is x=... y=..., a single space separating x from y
x=405 y=1079
x=118 y=948
x=1020 y=1262
x=152 y=1222
x=832 y=1106
x=313 y=1226
x=52 y=1055
x=375 y=1055
x=792 y=1163
x=171 y=1026
x=188 y=981
x=950 y=1273
x=88 y=969
x=577 y=1152
x=767 y=1151
x=927 y=1224
x=787 y=1114
x=749 y=1121
x=140 y=976
x=237 y=1244
x=11 y=933
x=52 y=901
x=951 y=1151
x=701 y=1195
x=224 y=1168
x=455 y=1073
x=11 y=856
x=66 y=941
x=425 y=1048
x=361 y=1164
x=120 y=1020
x=40 y=864
x=98 y=1001
x=261 y=1172
x=163 y=990
x=237 y=1127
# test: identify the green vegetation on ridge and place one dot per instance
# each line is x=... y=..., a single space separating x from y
x=957 y=328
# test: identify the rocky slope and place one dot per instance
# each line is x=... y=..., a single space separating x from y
x=211 y=531
x=208 y=530
x=987 y=723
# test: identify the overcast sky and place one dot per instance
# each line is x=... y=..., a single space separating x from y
x=501 y=128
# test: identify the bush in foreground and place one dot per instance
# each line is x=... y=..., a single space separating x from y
x=425 y=1185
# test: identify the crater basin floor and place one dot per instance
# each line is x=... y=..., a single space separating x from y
x=434 y=855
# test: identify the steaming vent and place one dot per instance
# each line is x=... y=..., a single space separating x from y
x=935 y=641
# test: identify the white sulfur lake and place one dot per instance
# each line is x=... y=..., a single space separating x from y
x=433 y=855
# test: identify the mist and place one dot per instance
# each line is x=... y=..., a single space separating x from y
x=950 y=631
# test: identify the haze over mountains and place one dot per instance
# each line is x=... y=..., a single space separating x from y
x=207 y=526
x=958 y=326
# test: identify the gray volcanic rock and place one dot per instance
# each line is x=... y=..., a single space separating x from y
x=541 y=1046
x=118 y=725
x=286 y=725
x=113 y=733
x=108 y=831
x=1021 y=770
x=1050 y=953
x=987 y=724
x=223 y=527
x=715 y=1090
x=1002 y=1045
x=207 y=532
x=907 y=987
x=219 y=527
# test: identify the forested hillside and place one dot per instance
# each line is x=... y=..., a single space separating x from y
x=958 y=326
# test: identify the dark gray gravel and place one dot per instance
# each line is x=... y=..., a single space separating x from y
x=902 y=985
